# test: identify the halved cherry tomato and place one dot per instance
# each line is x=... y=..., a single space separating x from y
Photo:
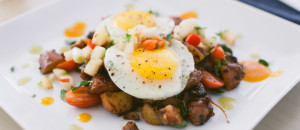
x=81 y=98
x=218 y=53
x=193 y=39
x=209 y=81
x=149 y=44
x=64 y=80
x=91 y=44
x=67 y=65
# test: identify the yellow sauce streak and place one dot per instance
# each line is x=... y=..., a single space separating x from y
x=64 y=49
x=255 y=56
x=25 y=66
x=227 y=102
x=84 y=117
x=47 y=100
x=24 y=81
x=36 y=49
x=75 y=127
x=276 y=73
x=129 y=6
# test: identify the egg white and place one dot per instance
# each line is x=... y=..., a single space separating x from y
x=119 y=68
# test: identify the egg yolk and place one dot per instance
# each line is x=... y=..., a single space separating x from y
x=127 y=20
x=47 y=100
x=157 y=64
x=255 y=71
x=84 y=117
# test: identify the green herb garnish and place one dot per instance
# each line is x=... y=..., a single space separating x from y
x=161 y=35
x=128 y=36
x=153 y=12
x=80 y=85
x=264 y=62
x=220 y=34
x=225 y=61
x=96 y=35
x=218 y=91
x=40 y=83
x=183 y=124
x=183 y=108
x=62 y=94
x=33 y=96
x=110 y=44
x=169 y=37
x=226 y=49
x=70 y=42
x=217 y=66
x=12 y=69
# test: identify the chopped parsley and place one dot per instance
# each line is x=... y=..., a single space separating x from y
x=264 y=62
x=226 y=49
x=183 y=124
x=220 y=34
x=110 y=44
x=96 y=35
x=153 y=12
x=80 y=85
x=12 y=69
x=33 y=96
x=183 y=108
x=169 y=37
x=62 y=94
x=225 y=61
x=69 y=42
x=128 y=36
x=198 y=29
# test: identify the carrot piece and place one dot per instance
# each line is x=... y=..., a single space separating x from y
x=161 y=44
x=64 y=80
x=209 y=81
x=193 y=39
x=91 y=44
x=218 y=53
x=149 y=44
x=67 y=65
x=189 y=14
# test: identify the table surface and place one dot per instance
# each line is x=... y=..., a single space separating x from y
x=284 y=116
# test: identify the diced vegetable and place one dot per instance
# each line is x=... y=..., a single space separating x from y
x=46 y=83
x=91 y=44
x=77 y=55
x=218 y=53
x=51 y=77
x=86 y=52
x=59 y=72
x=209 y=81
x=67 y=65
x=210 y=42
x=98 y=53
x=68 y=55
x=93 y=66
x=149 y=44
x=185 y=28
x=66 y=82
x=229 y=37
x=193 y=39
x=81 y=98
x=101 y=35
x=190 y=14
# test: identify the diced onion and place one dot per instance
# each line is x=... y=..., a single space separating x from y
x=86 y=52
x=68 y=55
x=98 y=53
x=46 y=83
x=67 y=85
x=77 y=55
x=93 y=66
x=59 y=72
x=101 y=35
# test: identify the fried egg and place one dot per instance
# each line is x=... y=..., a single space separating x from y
x=121 y=23
x=155 y=74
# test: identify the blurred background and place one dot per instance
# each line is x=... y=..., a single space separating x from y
x=285 y=115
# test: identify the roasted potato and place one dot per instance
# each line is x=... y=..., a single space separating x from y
x=131 y=116
x=197 y=54
x=101 y=84
x=170 y=115
x=117 y=102
x=130 y=126
x=150 y=116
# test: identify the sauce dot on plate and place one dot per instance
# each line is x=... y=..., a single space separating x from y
x=277 y=73
x=227 y=102
x=36 y=49
x=23 y=81
x=75 y=127
x=84 y=117
x=75 y=31
x=255 y=71
x=47 y=100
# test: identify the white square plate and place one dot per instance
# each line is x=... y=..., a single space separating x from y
x=272 y=38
